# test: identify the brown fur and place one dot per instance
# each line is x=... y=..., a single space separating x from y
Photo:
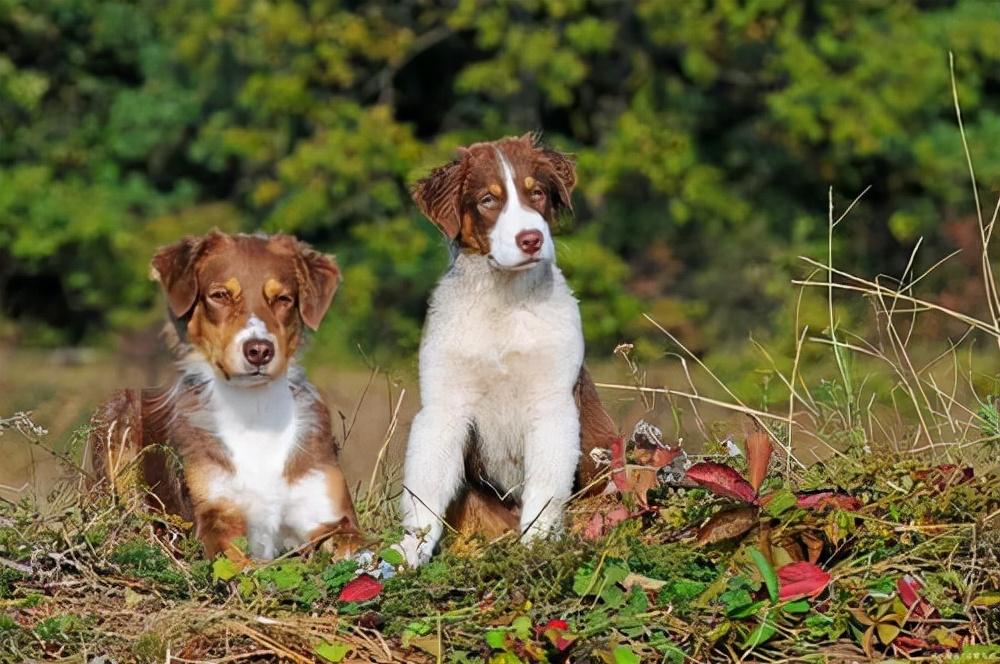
x=480 y=511
x=452 y=195
x=213 y=285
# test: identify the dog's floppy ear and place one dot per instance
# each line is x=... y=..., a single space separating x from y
x=562 y=170
x=318 y=277
x=439 y=195
x=174 y=267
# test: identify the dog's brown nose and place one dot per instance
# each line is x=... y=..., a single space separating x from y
x=258 y=352
x=530 y=242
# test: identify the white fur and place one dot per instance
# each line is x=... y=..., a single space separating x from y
x=260 y=426
x=514 y=218
x=501 y=353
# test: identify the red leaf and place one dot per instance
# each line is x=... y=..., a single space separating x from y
x=562 y=643
x=360 y=589
x=601 y=523
x=909 y=644
x=759 y=450
x=553 y=631
x=909 y=587
x=649 y=452
x=664 y=455
x=722 y=480
x=819 y=500
x=618 y=463
x=801 y=579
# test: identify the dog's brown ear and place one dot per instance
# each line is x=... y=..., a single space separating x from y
x=318 y=277
x=174 y=267
x=561 y=169
x=439 y=196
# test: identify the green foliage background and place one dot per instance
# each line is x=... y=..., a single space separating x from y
x=707 y=134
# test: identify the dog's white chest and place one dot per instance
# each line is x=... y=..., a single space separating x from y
x=506 y=354
x=259 y=429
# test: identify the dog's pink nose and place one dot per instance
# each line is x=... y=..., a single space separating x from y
x=530 y=242
x=258 y=352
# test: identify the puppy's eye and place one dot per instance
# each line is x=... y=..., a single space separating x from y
x=537 y=194
x=284 y=299
x=489 y=201
x=219 y=295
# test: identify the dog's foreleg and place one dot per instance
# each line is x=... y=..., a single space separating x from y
x=433 y=473
x=551 y=452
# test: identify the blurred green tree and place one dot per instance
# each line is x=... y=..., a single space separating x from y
x=707 y=134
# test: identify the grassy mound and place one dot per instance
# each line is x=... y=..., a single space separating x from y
x=910 y=566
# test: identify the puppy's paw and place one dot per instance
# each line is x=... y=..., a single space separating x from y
x=536 y=532
x=415 y=550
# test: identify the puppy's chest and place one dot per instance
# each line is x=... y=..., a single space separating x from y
x=259 y=434
x=513 y=335
x=258 y=461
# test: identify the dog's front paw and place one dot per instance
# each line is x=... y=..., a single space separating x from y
x=415 y=550
x=537 y=532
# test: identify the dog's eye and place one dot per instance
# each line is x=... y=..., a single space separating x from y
x=537 y=194
x=219 y=295
x=489 y=201
x=284 y=299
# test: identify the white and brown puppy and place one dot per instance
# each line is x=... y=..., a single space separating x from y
x=506 y=401
x=241 y=444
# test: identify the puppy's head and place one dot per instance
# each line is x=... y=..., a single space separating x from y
x=499 y=199
x=241 y=300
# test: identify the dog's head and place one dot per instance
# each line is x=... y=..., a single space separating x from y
x=241 y=300
x=499 y=200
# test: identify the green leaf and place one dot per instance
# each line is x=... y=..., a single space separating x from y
x=420 y=627
x=337 y=574
x=245 y=586
x=286 y=576
x=497 y=639
x=637 y=602
x=613 y=596
x=764 y=631
x=770 y=578
x=624 y=655
x=614 y=573
x=224 y=569
x=989 y=598
x=332 y=652
x=781 y=502
x=522 y=627
x=736 y=600
x=392 y=556
x=751 y=609
x=505 y=658
x=582 y=579
x=671 y=651
x=798 y=606
x=986 y=651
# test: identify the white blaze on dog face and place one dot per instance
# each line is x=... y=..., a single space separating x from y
x=255 y=353
x=499 y=200
x=520 y=238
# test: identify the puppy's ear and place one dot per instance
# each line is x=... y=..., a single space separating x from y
x=174 y=267
x=561 y=170
x=318 y=277
x=439 y=195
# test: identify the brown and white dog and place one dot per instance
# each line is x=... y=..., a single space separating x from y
x=507 y=404
x=241 y=444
